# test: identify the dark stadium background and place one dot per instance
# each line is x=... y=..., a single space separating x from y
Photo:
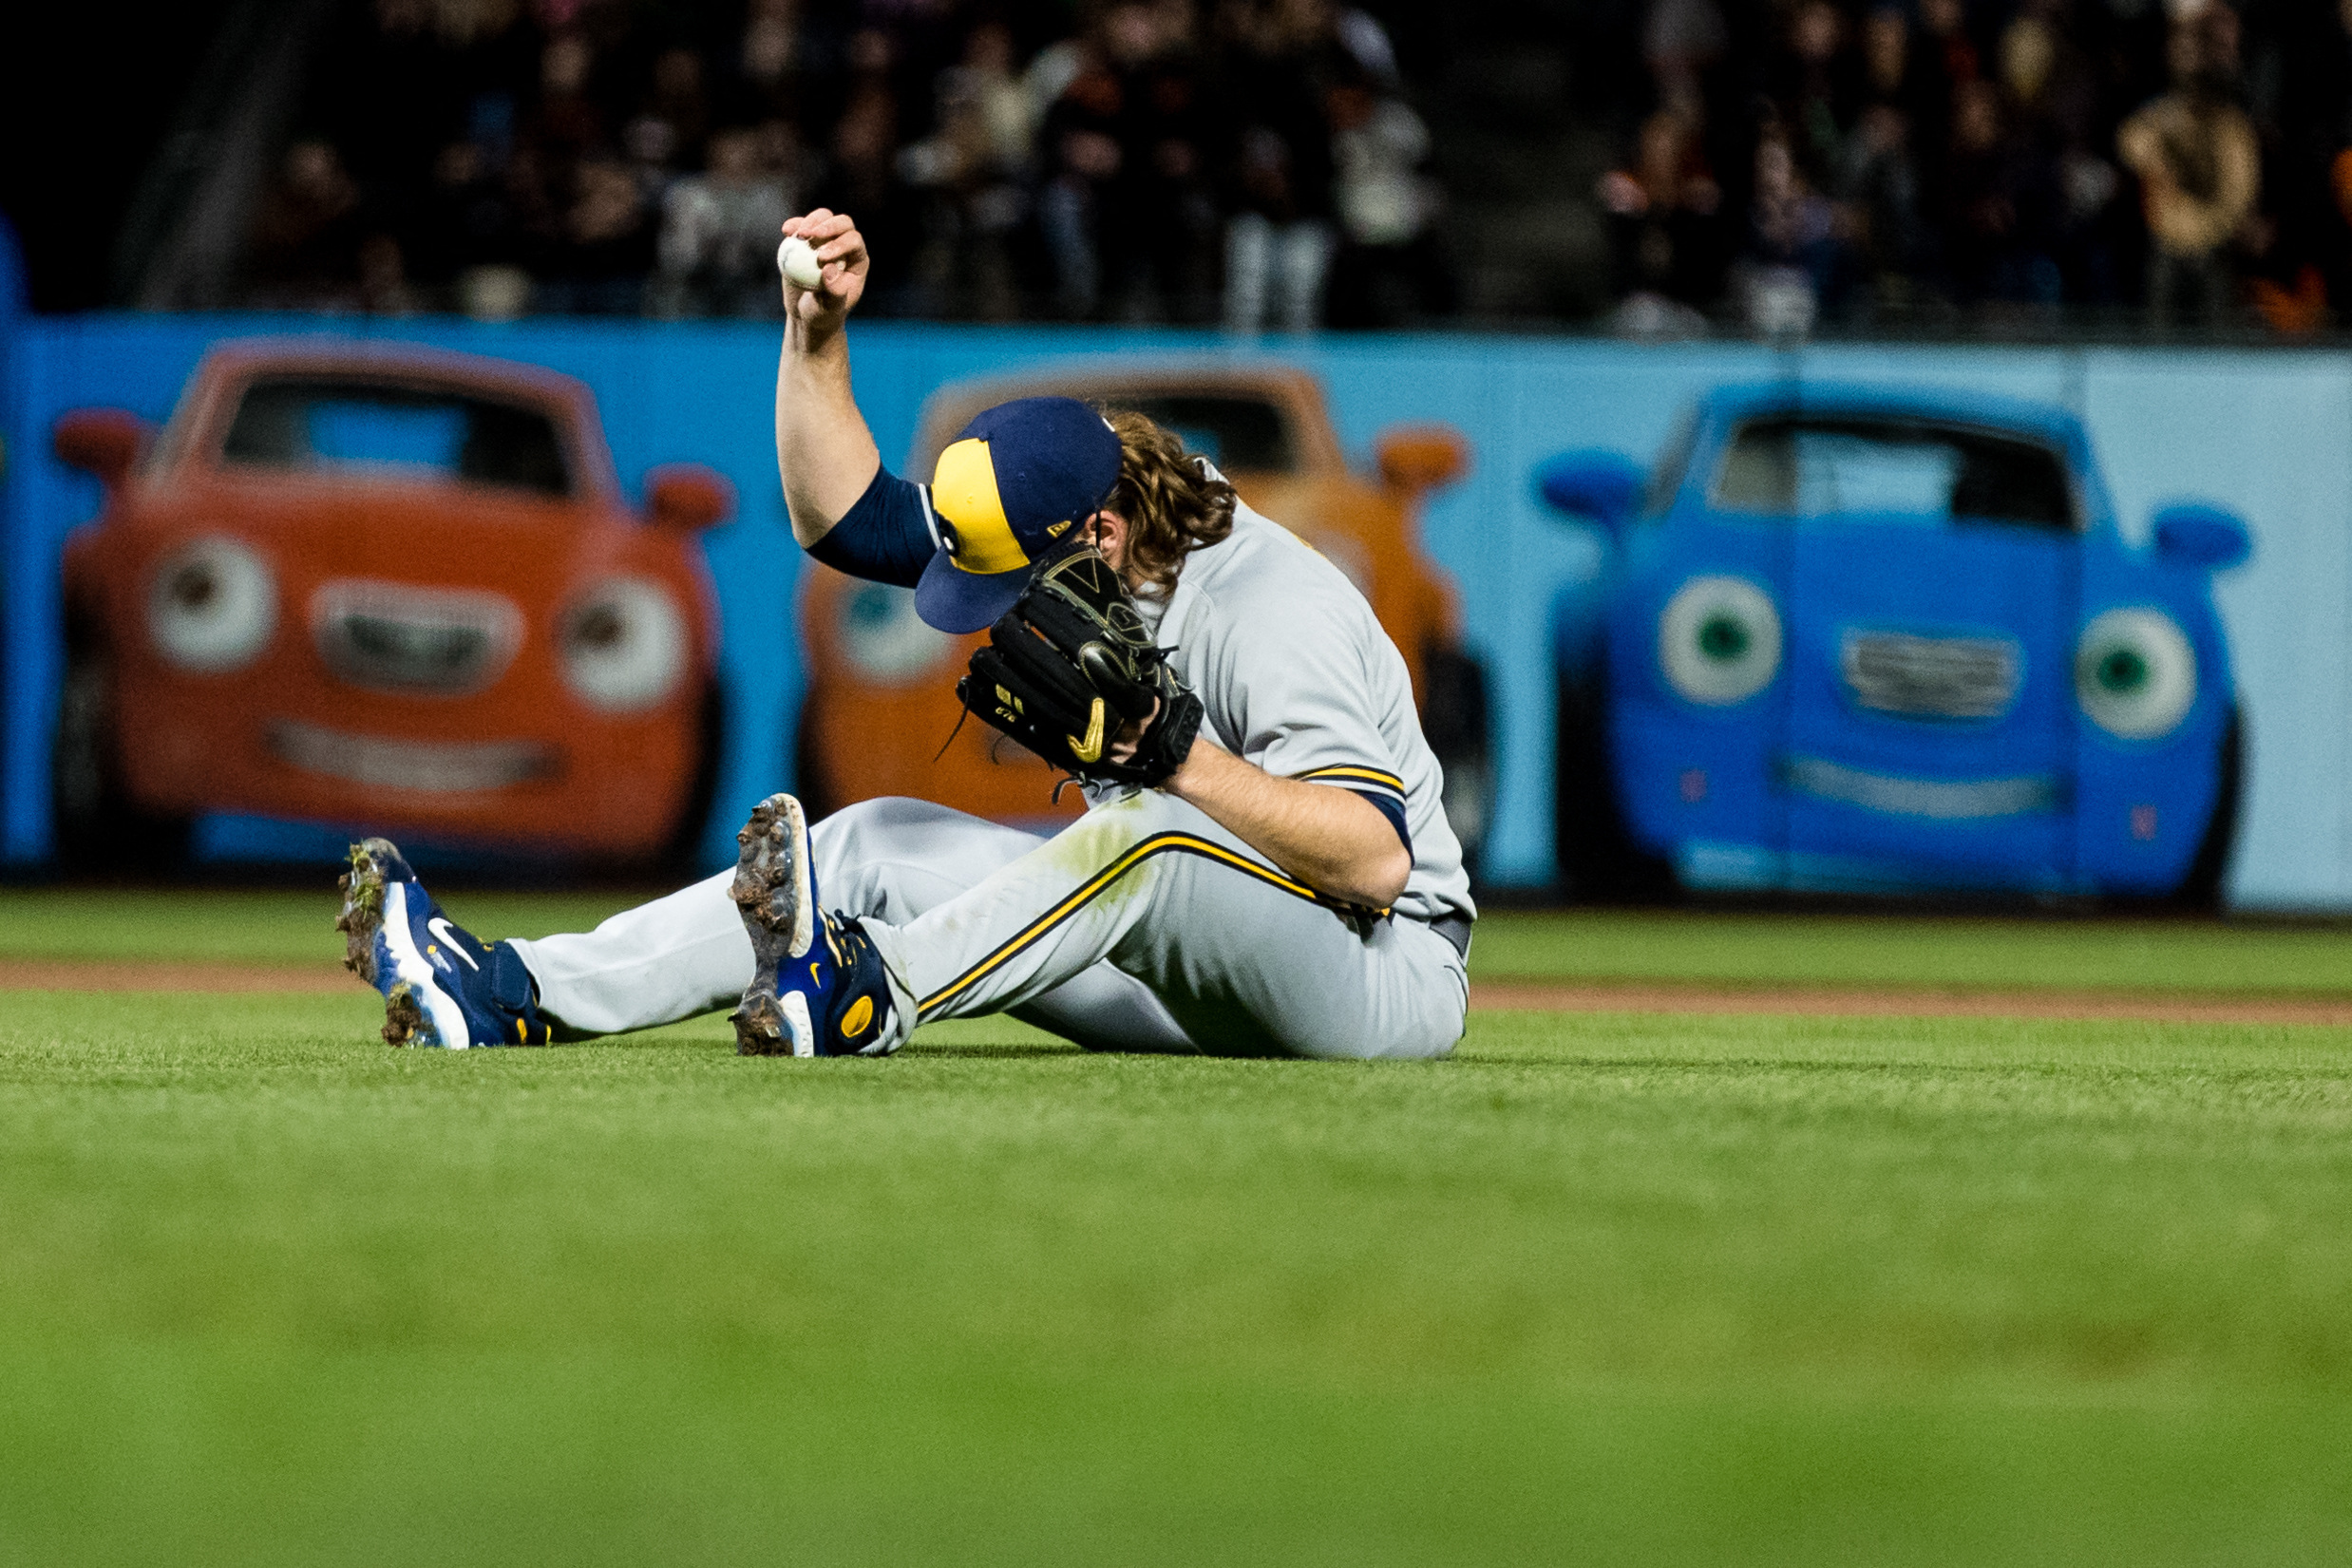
x=1979 y=190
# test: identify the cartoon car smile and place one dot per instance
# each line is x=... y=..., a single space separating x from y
x=386 y=588
x=1860 y=640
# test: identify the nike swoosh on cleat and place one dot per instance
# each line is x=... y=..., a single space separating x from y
x=439 y=926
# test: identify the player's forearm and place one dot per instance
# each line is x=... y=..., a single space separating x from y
x=825 y=454
x=1333 y=840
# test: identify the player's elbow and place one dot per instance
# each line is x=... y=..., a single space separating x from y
x=808 y=527
x=1379 y=876
x=1370 y=859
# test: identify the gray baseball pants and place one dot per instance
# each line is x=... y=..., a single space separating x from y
x=1143 y=926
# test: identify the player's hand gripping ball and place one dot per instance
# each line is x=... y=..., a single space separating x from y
x=797 y=260
x=1069 y=666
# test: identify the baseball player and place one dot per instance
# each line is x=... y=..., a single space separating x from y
x=1265 y=867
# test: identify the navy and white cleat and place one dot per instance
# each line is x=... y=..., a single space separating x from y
x=442 y=986
x=818 y=988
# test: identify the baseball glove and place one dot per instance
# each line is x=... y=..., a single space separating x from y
x=1069 y=666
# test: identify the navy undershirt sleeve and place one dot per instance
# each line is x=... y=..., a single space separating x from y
x=886 y=538
x=1390 y=807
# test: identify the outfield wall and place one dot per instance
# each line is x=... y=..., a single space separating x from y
x=2267 y=435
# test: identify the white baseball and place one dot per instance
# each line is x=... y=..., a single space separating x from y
x=797 y=262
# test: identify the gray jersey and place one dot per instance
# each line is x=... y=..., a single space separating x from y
x=1297 y=677
x=1145 y=925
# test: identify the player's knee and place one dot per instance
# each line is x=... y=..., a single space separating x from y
x=843 y=840
x=861 y=849
x=1132 y=818
x=1129 y=837
x=884 y=814
x=878 y=829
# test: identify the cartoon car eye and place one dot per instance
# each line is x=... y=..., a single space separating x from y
x=624 y=644
x=1718 y=640
x=213 y=606
x=2135 y=674
x=882 y=638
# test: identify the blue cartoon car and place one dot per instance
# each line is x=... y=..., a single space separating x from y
x=1855 y=639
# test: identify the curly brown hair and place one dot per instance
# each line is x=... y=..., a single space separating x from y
x=1172 y=505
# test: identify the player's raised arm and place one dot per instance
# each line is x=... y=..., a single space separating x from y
x=823 y=451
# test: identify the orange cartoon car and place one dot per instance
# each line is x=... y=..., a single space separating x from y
x=882 y=684
x=384 y=588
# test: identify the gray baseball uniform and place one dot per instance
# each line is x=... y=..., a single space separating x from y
x=1145 y=925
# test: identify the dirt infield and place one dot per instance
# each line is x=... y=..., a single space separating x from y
x=1839 y=1002
x=114 y=974
x=1486 y=995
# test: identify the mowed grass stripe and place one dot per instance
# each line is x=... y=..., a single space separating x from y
x=273 y=926
x=1628 y=947
x=1641 y=1288
x=1787 y=947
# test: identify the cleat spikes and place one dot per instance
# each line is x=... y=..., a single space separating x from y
x=404 y=1020
x=802 y=992
x=759 y=1027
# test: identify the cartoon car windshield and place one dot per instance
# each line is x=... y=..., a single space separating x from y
x=1874 y=640
x=1924 y=474
x=377 y=432
x=1238 y=434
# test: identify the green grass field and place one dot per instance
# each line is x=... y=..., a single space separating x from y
x=1603 y=1288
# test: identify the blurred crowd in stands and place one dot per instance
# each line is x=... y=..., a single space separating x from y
x=2181 y=162
x=1264 y=163
x=1250 y=161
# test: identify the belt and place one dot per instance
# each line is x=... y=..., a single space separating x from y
x=1455 y=929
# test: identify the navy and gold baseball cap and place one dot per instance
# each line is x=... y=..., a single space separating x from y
x=1008 y=491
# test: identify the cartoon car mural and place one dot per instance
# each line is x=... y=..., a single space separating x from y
x=1866 y=640
x=881 y=700
x=386 y=588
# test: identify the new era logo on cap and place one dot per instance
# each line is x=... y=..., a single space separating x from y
x=1016 y=482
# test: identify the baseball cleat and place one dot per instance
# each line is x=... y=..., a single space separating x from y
x=442 y=986
x=817 y=985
